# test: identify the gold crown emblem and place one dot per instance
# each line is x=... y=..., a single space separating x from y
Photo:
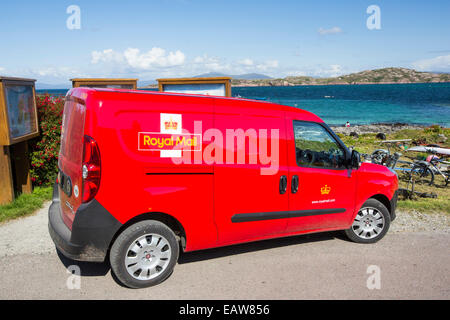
x=170 y=125
x=325 y=190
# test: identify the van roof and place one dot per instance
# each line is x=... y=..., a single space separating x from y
x=267 y=105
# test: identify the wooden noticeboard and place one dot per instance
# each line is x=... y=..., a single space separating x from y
x=18 y=123
x=112 y=83
x=215 y=86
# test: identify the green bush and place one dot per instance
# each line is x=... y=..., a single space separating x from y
x=44 y=149
x=434 y=129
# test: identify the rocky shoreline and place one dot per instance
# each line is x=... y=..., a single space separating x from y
x=378 y=76
x=385 y=128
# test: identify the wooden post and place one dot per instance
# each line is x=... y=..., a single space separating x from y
x=6 y=179
x=19 y=154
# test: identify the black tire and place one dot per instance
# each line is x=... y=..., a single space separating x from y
x=357 y=235
x=120 y=251
x=422 y=174
x=381 y=136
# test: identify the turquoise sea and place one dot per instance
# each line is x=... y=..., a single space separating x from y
x=359 y=104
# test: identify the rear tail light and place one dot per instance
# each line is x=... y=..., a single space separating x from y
x=91 y=169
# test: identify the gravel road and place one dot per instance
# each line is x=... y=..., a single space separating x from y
x=411 y=262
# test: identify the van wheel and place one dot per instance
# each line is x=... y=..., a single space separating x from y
x=370 y=224
x=144 y=254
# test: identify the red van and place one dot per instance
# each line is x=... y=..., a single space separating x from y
x=143 y=175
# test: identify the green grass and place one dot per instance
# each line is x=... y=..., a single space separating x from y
x=367 y=143
x=426 y=205
x=25 y=204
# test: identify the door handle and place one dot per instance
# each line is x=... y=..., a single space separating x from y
x=283 y=184
x=294 y=184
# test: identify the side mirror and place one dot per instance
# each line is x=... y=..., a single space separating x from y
x=355 y=160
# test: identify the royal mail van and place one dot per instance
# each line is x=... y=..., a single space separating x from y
x=143 y=175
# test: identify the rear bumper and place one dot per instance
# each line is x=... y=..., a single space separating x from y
x=92 y=230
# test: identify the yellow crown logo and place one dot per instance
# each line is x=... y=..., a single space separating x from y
x=325 y=190
x=170 y=125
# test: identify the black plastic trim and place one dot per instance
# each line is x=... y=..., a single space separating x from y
x=261 y=216
x=92 y=230
x=177 y=173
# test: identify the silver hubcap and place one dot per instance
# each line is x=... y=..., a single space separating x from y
x=148 y=256
x=368 y=224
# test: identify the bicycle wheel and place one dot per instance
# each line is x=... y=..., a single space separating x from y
x=441 y=179
x=379 y=156
x=422 y=174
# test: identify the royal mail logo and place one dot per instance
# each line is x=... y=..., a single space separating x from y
x=156 y=141
x=222 y=147
x=325 y=190
x=171 y=140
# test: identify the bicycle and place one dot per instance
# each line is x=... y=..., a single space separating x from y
x=383 y=156
x=424 y=172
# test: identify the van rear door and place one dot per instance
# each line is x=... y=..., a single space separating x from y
x=71 y=157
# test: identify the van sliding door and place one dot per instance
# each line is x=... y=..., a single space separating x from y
x=250 y=171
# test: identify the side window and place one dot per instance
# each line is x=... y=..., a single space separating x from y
x=315 y=147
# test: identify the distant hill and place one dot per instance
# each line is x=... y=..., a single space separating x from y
x=394 y=75
x=247 y=76
x=378 y=76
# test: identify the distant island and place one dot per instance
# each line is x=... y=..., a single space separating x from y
x=377 y=76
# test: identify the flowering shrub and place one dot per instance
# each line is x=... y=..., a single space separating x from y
x=44 y=149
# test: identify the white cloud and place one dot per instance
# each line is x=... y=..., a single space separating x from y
x=133 y=58
x=333 y=70
x=296 y=73
x=322 y=71
x=246 y=62
x=156 y=57
x=333 y=30
x=2 y=69
x=200 y=59
x=47 y=73
x=268 y=65
x=203 y=64
x=106 y=56
x=56 y=72
x=441 y=63
x=146 y=65
x=206 y=63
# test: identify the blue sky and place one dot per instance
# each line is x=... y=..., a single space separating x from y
x=161 y=38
